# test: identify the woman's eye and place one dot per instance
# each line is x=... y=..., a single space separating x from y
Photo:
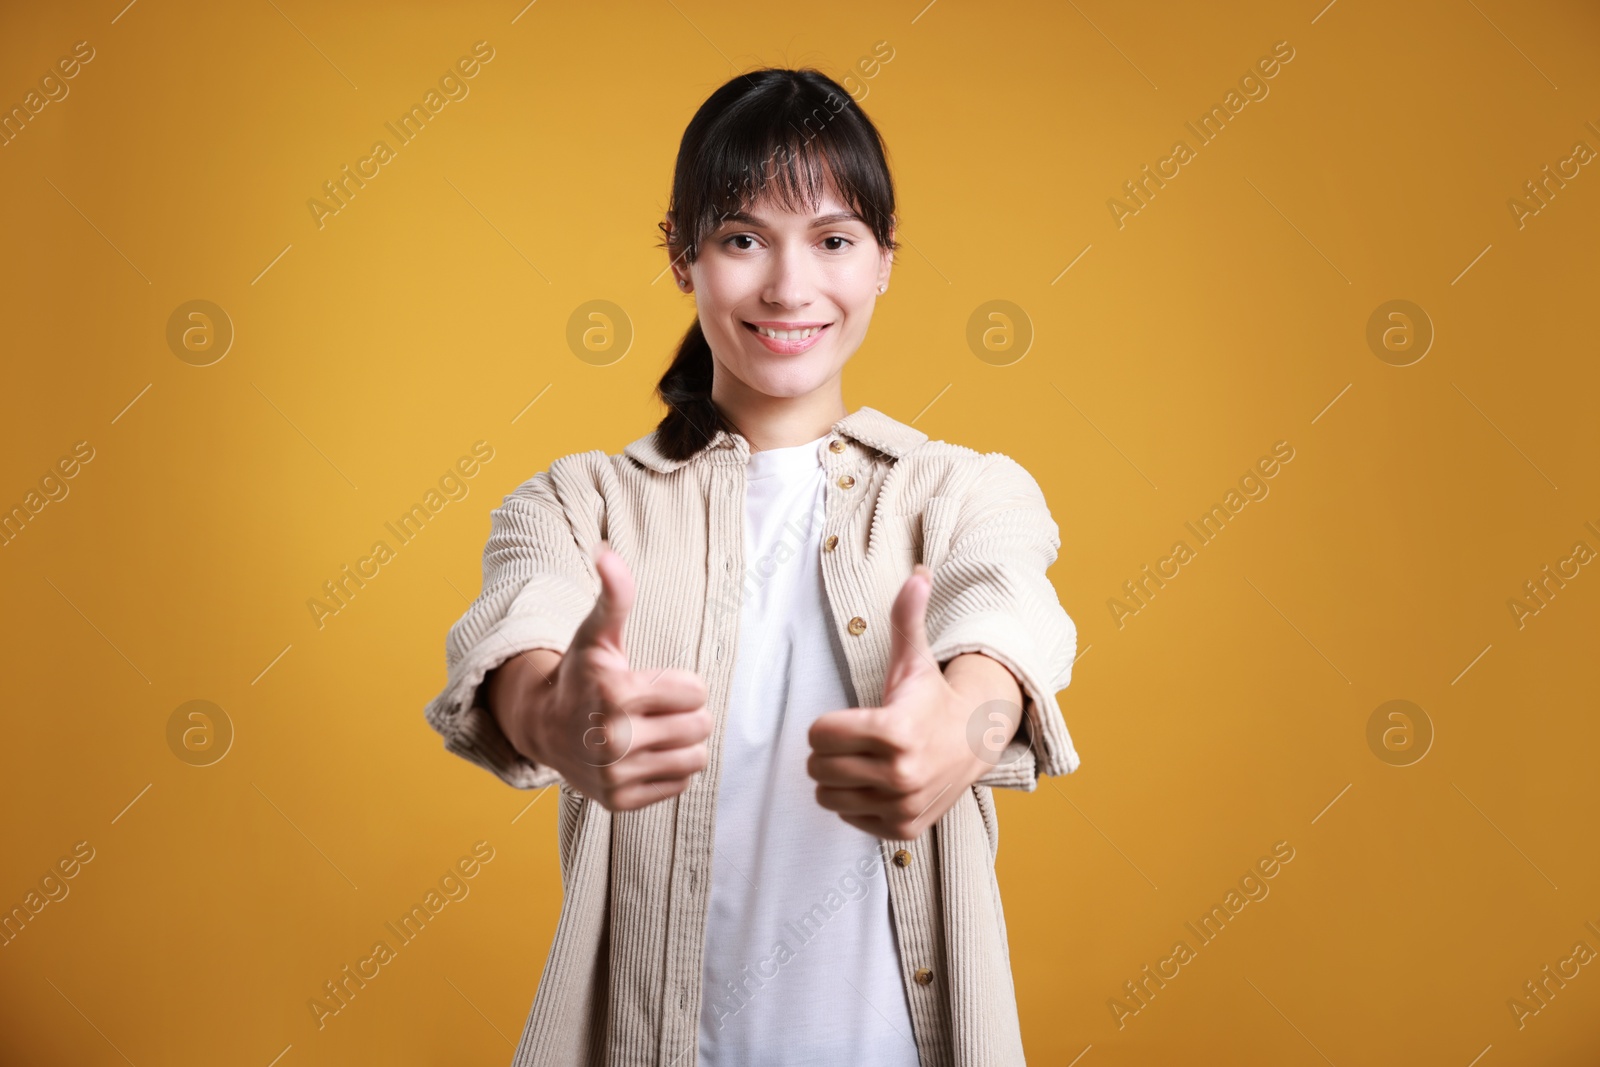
x=846 y=240
x=738 y=237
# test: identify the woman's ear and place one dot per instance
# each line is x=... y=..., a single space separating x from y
x=888 y=256
x=668 y=226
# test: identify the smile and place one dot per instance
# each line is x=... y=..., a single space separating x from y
x=787 y=341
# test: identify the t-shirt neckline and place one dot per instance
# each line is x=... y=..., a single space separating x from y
x=790 y=459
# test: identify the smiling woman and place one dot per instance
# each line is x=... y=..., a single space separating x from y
x=783 y=229
x=767 y=640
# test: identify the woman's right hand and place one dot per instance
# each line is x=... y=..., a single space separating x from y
x=626 y=738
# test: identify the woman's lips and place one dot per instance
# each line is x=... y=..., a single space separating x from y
x=787 y=348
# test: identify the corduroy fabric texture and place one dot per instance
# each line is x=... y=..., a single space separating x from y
x=621 y=985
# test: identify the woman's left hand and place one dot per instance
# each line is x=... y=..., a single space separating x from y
x=894 y=770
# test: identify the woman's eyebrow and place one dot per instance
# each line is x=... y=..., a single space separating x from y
x=821 y=220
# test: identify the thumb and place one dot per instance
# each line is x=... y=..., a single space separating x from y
x=909 y=653
x=603 y=625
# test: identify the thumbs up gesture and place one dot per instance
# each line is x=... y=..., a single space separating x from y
x=894 y=770
x=626 y=738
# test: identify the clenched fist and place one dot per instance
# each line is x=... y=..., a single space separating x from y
x=626 y=738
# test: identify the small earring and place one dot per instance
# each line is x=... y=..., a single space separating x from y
x=884 y=288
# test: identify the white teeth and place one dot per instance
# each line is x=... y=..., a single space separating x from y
x=788 y=335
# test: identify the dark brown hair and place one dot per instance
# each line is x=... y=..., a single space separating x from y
x=774 y=133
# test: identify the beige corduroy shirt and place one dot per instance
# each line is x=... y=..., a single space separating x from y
x=621 y=985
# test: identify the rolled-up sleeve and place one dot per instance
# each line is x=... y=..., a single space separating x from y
x=538 y=585
x=991 y=595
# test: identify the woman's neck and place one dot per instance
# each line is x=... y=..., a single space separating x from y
x=781 y=422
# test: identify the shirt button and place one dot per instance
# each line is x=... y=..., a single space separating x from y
x=857 y=626
x=902 y=858
x=831 y=543
x=836 y=445
x=845 y=481
x=924 y=975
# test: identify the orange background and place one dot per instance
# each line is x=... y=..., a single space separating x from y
x=1229 y=313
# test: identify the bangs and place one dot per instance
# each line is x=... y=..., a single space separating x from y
x=786 y=141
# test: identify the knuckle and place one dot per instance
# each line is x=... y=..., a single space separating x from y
x=589 y=660
x=893 y=731
x=903 y=775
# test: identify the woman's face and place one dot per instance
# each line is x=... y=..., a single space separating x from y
x=810 y=276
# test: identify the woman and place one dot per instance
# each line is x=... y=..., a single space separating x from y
x=774 y=655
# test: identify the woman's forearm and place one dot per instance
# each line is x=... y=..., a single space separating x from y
x=985 y=681
x=512 y=693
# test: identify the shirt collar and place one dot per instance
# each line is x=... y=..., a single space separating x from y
x=865 y=425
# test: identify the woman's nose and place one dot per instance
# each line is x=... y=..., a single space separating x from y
x=790 y=282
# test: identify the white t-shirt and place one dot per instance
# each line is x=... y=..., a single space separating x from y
x=800 y=961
